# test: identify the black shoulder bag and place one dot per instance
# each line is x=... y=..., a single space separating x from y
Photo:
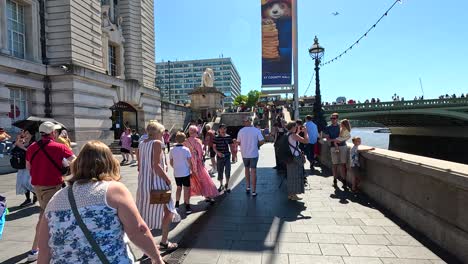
x=61 y=169
x=102 y=257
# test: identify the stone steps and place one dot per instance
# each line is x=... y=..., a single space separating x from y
x=114 y=147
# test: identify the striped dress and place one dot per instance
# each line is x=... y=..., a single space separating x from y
x=148 y=180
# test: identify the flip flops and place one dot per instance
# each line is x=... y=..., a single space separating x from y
x=168 y=246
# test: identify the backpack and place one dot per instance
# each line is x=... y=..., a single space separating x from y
x=18 y=159
x=283 y=149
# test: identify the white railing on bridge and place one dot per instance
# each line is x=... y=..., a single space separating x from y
x=393 y=105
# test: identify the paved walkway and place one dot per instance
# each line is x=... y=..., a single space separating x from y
x=328 y=226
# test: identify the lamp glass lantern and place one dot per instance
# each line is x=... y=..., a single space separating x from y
x=316 y=51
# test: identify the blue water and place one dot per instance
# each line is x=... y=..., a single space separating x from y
x=369 y=138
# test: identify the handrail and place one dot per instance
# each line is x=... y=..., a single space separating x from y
x=393 y=105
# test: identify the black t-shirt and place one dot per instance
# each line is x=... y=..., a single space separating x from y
x=135 y=138
x=222 y=143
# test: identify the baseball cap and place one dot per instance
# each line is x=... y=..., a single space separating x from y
x=222 y=125
x=248 y=119
x=48 y=127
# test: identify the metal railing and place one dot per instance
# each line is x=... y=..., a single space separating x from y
x=393 y=105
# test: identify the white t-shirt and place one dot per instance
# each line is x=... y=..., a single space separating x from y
x=180 y=155
x=249 y=138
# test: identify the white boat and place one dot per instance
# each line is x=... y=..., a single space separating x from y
x=383 y=130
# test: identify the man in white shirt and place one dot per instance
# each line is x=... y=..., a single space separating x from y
x=250 y=139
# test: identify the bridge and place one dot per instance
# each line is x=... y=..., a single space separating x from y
x=435 y=112
x=436 y=128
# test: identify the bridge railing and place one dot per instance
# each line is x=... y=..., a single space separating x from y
x=393 y=105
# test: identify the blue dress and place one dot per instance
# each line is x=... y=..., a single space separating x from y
x=68 y=243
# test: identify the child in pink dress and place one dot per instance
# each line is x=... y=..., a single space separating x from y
x=234 y=147
x=200 y=181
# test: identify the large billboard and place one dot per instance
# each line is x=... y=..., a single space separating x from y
x=276 y=42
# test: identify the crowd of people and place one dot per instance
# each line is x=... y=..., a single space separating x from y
x=453 y=96
x=91 y=216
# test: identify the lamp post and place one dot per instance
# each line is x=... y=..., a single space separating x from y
x=316 y=52
x=169 y=71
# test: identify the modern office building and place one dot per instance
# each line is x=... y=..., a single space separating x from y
x=176 y=79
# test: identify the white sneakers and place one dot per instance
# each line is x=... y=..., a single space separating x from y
x=33 y=254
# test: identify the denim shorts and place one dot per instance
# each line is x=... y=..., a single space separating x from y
x=250 y=162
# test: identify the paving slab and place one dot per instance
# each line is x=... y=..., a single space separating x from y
x=328 y=226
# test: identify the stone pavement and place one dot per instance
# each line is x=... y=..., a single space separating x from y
x=328 y=226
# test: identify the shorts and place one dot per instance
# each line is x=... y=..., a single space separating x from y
x=124 y=150
x=250 y=162
x=212 y=152
x=45 y=193
x=185 y=181
x=339 y=157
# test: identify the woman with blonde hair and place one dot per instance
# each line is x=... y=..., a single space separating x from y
x=87 y=221
x=64 y=139
x=345 y=134
x=152 y=175
x=200 y=181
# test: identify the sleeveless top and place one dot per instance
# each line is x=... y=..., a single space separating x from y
x=292 y=142
x=67 y=242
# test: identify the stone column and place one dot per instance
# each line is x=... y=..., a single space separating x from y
x=3 y=28
x=5 y=120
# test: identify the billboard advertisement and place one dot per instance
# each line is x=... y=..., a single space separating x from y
x=276 y=42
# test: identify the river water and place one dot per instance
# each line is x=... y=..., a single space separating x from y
x=369 y=138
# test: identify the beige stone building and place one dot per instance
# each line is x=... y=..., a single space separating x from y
x=89 y=64
x=206 y=102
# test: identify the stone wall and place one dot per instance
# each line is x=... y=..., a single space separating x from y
x=175 y=116
x=138 y=32
x=430 y=195
x=74 y=33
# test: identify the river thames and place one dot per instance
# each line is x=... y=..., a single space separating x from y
x=369 y=138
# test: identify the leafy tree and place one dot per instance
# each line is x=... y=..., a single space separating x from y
x=239 y=99
x=252 y=98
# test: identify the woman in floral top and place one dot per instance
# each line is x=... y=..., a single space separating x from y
x=107 y=209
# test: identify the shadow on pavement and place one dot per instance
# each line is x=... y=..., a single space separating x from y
x=17 y=212
x=241 y=222
x=17 y=259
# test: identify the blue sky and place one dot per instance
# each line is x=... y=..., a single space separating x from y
x=424 y=39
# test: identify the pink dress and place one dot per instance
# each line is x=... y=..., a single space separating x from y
x=200 y=181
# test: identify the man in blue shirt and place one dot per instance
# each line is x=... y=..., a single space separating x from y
x=313 y=136
x=339 y=157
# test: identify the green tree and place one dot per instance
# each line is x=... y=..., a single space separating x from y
x=239 y=99
x=252 y=98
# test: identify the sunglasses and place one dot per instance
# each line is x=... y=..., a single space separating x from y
x=331 y=118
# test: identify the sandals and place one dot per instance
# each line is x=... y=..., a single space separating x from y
x=168 y=246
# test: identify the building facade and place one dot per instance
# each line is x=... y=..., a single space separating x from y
x=89 y=64
x=176 y=79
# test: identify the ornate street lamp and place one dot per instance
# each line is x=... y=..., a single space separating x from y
x=316 y=52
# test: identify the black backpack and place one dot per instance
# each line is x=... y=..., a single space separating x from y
x=283 y=149
x=18 y=158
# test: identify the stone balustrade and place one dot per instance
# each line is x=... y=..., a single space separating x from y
x=430 y=195
x=393 y=105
